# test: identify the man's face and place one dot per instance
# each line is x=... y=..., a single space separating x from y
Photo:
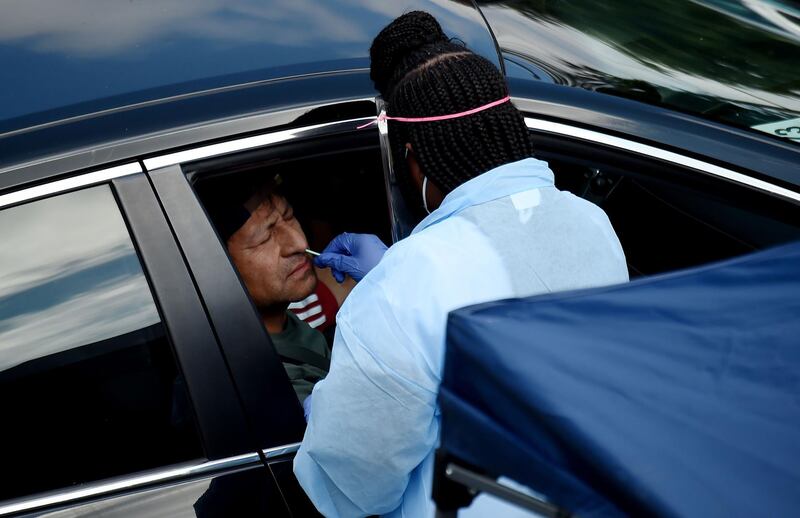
x=269 y=252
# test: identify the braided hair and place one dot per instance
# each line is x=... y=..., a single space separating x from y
x=421 y=73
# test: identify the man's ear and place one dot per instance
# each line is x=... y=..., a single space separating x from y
x=413 y=167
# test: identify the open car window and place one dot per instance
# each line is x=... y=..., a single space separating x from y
x=330 y=181
x=668 y=216
x=318 y=198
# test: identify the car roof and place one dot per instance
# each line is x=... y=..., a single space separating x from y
x=82 y=73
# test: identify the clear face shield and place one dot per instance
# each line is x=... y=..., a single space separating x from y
x=403 y=215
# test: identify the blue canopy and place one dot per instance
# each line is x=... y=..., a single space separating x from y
x=676 y=395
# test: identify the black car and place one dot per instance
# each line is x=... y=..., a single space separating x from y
x=135 y=375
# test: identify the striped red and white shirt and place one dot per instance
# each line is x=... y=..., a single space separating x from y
x=318 y=310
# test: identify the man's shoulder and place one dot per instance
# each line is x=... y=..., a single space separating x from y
x=300 y=334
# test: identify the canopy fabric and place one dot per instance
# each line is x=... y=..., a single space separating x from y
x=676 y=395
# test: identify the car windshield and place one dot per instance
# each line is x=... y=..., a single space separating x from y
x=732 y=61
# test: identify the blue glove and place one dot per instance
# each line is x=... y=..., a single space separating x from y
x=351 y=254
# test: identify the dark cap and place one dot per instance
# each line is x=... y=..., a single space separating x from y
x=226 y=202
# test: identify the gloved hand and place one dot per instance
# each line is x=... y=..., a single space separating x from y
x=351 y=254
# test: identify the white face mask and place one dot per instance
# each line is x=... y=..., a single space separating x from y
x=424 y=193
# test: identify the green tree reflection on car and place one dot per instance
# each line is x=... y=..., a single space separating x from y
x=728 y=60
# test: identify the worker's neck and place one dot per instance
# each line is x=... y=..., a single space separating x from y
x=274 y=318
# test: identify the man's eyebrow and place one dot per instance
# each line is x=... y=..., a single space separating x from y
x=273 y=217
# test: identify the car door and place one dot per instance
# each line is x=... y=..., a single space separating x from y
x=117 y=400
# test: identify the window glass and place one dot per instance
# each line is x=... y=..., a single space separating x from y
x=89 y=387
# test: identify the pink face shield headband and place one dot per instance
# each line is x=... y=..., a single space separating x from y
x=384 y=117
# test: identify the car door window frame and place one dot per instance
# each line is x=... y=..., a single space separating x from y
x=595 y=137
x=262 y=384
x=218 y=412
x=758 y=156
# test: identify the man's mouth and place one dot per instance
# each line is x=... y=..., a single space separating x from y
x=301 y=268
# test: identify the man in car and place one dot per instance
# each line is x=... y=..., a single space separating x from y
x=267 y=246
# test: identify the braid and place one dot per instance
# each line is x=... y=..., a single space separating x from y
x=389 y=52
x=421 y=73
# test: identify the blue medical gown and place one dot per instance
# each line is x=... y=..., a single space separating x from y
x=374 y=423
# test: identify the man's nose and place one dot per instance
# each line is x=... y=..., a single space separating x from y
x=293 y=240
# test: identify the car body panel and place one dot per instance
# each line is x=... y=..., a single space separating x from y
x=89 y=73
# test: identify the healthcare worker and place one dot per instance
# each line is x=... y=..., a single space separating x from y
x=497 y=228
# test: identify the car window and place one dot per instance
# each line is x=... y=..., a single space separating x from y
x=317 y=197
x=667 y=217
x=89 y=386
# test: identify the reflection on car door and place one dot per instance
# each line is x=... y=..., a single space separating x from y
x=108 y=358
